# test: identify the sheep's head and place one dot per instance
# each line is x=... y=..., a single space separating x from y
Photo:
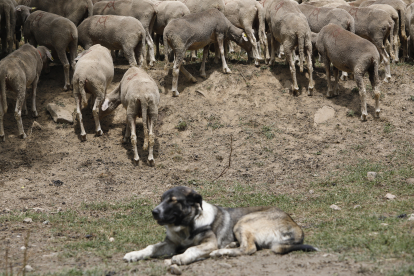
x=240 y=37
x=111 y=102
x=22 y=13
x=46 y=57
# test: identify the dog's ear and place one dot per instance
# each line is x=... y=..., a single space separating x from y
x=196 y=198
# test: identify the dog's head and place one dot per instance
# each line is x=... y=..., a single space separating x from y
x=179 y=206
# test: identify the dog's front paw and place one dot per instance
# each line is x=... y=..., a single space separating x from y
x=134 y=256
x=177 y=259
x=216 y=253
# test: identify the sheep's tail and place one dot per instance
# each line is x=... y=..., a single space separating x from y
x=392 y=40
x=261 y=16
x=401 y=15
x=144 y=109
x=81 y=91
x=301 y=43
x=3 y=99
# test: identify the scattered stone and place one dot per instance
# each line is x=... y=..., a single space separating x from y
x=384 y=224
x=402 y=216
x=174 y=270
x=28 y=268
x=23 y=248
x=36 y=125
x=38 y=210
x=357 y=206
x=325 y=255
x=390 y=196
x=167 y=262
x=225 y=265
x=411 y=217
x=373 y=234
x=111 y=239
x=335 y=207
x=371 y=176
x=6 y=210
x=59 y=209
x=311 y=191
x=56 y=183
x=410 y=181
x=59 y=114
x=28 y=220
x=46 y=222
x=50 y=255
x=324 y=114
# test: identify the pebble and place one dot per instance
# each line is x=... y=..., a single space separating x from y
x=384 y=224
x=111 y=239
x=23 y=248
x=410 y=181
x=225 y=265
x=28 y=220
x=59 y=114
x=46 y=222
x=411 y=217
x=174 y=270
x=390 y=196
x=311 y=191
x=357 y=206
x=167 y=262
x=371 y=175
x=335 y=207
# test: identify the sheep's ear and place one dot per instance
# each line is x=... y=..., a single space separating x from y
x=49 y=55
x=33 y=9
x=18 y=9
x=244 y=36
x=105 y=105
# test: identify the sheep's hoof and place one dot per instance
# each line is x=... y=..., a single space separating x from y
x=151 y=162
x=387 y=79
x=99 y=132
x=3 y=138
x=23 y=136
x=35 y=114
x=193 y=58
x=65 y=88
x=329 y=94
x=204 y=76
x=136 y=162
x=124 y=140
x=226 y=70
x=310 y=91
x=83 y=137
x=257 y=63
x=377 y=114
x=175 y=93
x=363 y=117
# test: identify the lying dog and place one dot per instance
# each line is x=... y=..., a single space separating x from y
x=198 y=229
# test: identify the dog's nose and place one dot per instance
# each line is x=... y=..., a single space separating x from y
x=156 y=213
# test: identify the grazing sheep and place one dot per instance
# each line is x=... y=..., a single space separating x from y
x=376 y=26
x=143 y=10
x=350 y=53
x=93 y=74
x=18 y=71
x=115 y=33
x=167 y=11
x=410 y=24
x=56 y=33
x=139 y=95
x=249 y=16
x=289 y=27
x=199 y=30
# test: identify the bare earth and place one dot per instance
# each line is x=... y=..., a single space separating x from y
x=241 y=104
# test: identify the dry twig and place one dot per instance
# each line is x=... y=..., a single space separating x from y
x=228 y=167
x=26 y=245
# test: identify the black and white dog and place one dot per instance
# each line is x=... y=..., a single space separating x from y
x=197 y=229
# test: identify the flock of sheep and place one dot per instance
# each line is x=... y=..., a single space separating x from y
x=356 y=37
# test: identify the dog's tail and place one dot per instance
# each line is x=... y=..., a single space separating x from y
x=283 y=249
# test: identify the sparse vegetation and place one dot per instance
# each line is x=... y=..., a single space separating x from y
x=350 y=113
x=268 y=132
x=388 y=128
x=182 y=125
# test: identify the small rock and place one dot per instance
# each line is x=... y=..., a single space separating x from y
x=59 y=209
x=411 y=217
x=28 y=268
x=50 y=255
x=167 y=262
x=46 y=222
x=373 y=234
x=38 y=210
x=28 y=220
x=335 y=207
x=311 y=191
x=390 y=196
x=225 y=265
x=371 y=176
x=111 y=239
x=36 y=125
x=410 y=181
x=357 y=206
x=23 y=248
x=59 y=114
x=6 y=210
x=384 y=224
x=174 y=270
x=325 y=255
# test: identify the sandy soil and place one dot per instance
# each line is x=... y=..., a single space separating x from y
x=241 y=104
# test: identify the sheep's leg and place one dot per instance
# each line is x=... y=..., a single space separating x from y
x=327 y=64
x=130 y=55
x=344 y=76
x=24 y=107
x=78 y=100
x=2 y=137
x=203 y=64
x=18 y=112
x=95 y=111
x=274 y=44
x=252 y=39
x=310 y=68
x=397 y=43
x=34 y=88
x=127 y=132
x=157 y=46
x=386 y=58
x=362 y=94
x=281 y=51
x=139 y=51
x=291 y=62
x=64 y=60
x=179 y=55
x=220 y=38
x=336 y=74
x=150 y=54
x=166 y=50
x=152 y=118
x=231 y=47
x=131 y=122
x=194 y=55
x=216 y=53
x=373 y=78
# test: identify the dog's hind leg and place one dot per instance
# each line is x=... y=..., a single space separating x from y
x=247 y=244
x=283 y=249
